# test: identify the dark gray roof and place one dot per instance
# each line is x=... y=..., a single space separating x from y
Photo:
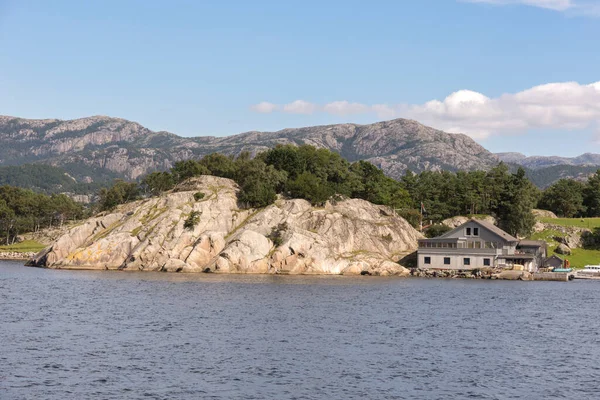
x=505 y=235
x=518 y=257
x=532 y=243
x=553 y=256
x=490 y=227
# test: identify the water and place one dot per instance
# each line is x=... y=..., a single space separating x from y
x=117 y=335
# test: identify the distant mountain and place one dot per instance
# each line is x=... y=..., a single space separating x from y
x=536 y=162
x=544 y=177
x=102 y=148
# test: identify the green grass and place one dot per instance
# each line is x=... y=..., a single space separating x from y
x=26 y=246
x=590 y=223
x=579 y=258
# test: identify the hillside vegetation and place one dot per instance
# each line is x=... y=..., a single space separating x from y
x=587 y=253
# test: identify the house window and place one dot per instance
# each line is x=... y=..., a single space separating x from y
x=475 y=231
x=446 y=260
x=467 y=261
x=486 y=262
x=427 y=260
x=468 y=231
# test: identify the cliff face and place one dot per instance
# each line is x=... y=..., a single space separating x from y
x=95 y=147
x=348 y=237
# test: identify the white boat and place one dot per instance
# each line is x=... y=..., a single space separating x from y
x=588 y=272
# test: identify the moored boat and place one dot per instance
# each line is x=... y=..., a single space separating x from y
x=588 y=272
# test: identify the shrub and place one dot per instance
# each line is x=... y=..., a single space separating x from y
x=198 y=196
x=437 y=230
x=388 y=238
x=276 y=234
x=192 y=220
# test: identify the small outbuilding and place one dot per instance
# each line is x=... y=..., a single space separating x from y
x=553 y=262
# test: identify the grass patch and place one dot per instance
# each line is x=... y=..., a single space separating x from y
x=589 y=223
x=104 y=233
x=241 y=225
x=26 y=246
x=152 y=214
x=579 y=258
x=137 y=230
x=547 y=235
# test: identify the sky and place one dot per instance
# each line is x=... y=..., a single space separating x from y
x=516 y=75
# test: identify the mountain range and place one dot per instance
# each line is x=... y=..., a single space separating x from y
x=537 y=162
x=97 y=149
x=103 y=147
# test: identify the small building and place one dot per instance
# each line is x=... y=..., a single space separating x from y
x=553 y=262
x=479 y=244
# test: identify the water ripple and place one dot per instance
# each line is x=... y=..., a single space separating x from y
x=115 y=335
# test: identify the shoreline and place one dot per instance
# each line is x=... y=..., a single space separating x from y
x=16 y=256
x=476 y=274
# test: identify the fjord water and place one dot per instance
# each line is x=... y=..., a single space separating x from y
x=118 y=335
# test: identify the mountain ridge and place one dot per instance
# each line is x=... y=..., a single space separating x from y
x=102 y=147
x=537 y=162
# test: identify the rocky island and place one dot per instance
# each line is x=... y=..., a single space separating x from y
x=200 y=227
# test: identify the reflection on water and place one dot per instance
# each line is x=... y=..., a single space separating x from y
x=115 y=335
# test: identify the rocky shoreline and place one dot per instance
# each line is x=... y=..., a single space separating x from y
x=15 y=255
x=483 y=273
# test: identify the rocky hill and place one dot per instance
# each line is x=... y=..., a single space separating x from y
x=177 y=233
x=102 y=148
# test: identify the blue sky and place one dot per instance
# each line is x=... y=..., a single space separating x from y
x=516 y=75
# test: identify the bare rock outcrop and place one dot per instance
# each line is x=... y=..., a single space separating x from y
x=543 y=213
x=291 y=237
x=459 y=220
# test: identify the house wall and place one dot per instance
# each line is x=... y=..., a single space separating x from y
x=456 y=259
x=457 y=255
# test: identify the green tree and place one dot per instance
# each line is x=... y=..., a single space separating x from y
x=591 y=195
x=183 y=170
x=121 y=192
x=219 y=165
x=517 y=199
x=310 y=187
x=258 y=182
x=158 y=182
x=565 y=198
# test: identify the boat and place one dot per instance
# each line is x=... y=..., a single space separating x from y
x=588 y=272
x=562 y=270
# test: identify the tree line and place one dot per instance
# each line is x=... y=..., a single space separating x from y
x=23 y=210
x=306 y=172
x=318 y=175
x=571 y=198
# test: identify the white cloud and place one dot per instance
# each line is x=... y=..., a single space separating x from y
x=264 y=107
x=558 y=5
x=574 y=7
x=564 y=106
x=344 y=108
x=299 y=107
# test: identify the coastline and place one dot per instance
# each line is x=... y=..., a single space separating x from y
x=479 y=274
x=16 y=256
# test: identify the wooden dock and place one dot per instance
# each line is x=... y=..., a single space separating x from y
x=552 y=276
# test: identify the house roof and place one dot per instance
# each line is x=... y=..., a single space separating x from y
x=490 y=227
x=552 y=257
x=532 y=243
x=518 y=257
